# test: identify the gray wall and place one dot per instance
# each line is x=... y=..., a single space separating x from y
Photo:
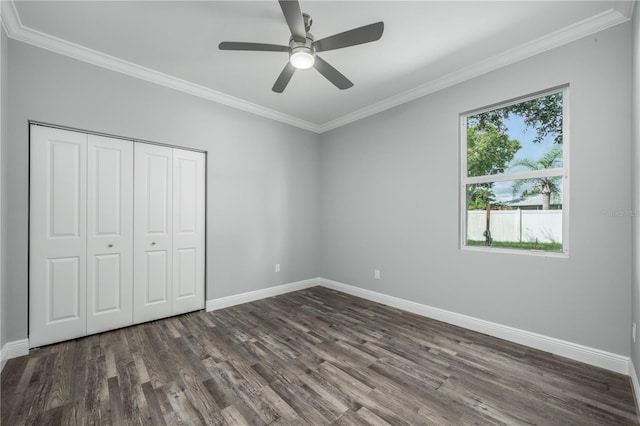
x=388 y=190
x=635 y=179
x=3 y=184
x=389 y=198
x=261 y=184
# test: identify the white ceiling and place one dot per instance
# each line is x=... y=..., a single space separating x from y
x=426 y=45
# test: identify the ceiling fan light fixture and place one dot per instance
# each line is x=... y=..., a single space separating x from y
x=303 y=46
x=302 y=57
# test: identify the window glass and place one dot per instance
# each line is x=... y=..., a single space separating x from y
x=515 y=175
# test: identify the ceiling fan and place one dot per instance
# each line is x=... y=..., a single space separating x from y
x=303 y=47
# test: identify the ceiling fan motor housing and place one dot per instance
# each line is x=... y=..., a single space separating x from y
x=304 y=51
x=307 y=43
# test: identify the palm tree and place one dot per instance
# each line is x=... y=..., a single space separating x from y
x=544 y=185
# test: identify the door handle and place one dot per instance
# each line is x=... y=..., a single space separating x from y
x=153 y=243
x=109 y=245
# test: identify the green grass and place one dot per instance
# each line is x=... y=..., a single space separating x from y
x=556 y=247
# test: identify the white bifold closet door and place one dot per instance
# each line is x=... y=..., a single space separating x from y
x=117 y=233
x=58 y=240
x=169 y=231
x=188 y=230
x=81 y=235
x=153 y=231
x=109 y=234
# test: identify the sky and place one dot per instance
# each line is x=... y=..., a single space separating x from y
x=517 y=129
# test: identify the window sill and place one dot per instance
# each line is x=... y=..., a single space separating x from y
x=538 y=253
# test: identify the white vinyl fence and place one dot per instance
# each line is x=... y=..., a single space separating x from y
x=543 y=226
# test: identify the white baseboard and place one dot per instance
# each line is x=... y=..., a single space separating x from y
x=237 y=299
x=635 y=385
x=13 y=350
x=592 y=356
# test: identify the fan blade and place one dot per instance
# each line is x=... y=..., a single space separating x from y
x=293 y=16
x=366 y=34
x=260 y=47
x=332 y=74
x=283 y=78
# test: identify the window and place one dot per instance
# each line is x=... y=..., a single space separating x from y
x=515 y=175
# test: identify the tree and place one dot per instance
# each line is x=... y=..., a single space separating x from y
x=543 y=114
x=488 y=152
x=544 y=185
x=478 y=197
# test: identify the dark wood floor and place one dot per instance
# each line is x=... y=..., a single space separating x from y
x=313 y=357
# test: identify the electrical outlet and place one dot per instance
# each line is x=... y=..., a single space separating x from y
x=376 y=274
x=277 y=267
x=633 y=332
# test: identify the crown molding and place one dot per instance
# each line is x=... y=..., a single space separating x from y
x=566 y=35
x=10 y=20
x=625 y=7
x=17 y=31
x=7 y=11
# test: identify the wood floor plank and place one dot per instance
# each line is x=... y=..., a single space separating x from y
x=246 y=392
x=117 y=411
x=183 y=410
x=283 y=410
x=154 y=406
x=310 y=357
x=293 y=395
x=232 y=416
x=97 y=390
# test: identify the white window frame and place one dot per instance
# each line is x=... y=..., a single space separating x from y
x=501 y=177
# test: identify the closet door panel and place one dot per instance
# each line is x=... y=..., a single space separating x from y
x=110 y=234
x=107 y=289
x=63 y=288
x=188 y=230
x=153 y=198
x=185 y=273
x=157 y=283
x=57 y=235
